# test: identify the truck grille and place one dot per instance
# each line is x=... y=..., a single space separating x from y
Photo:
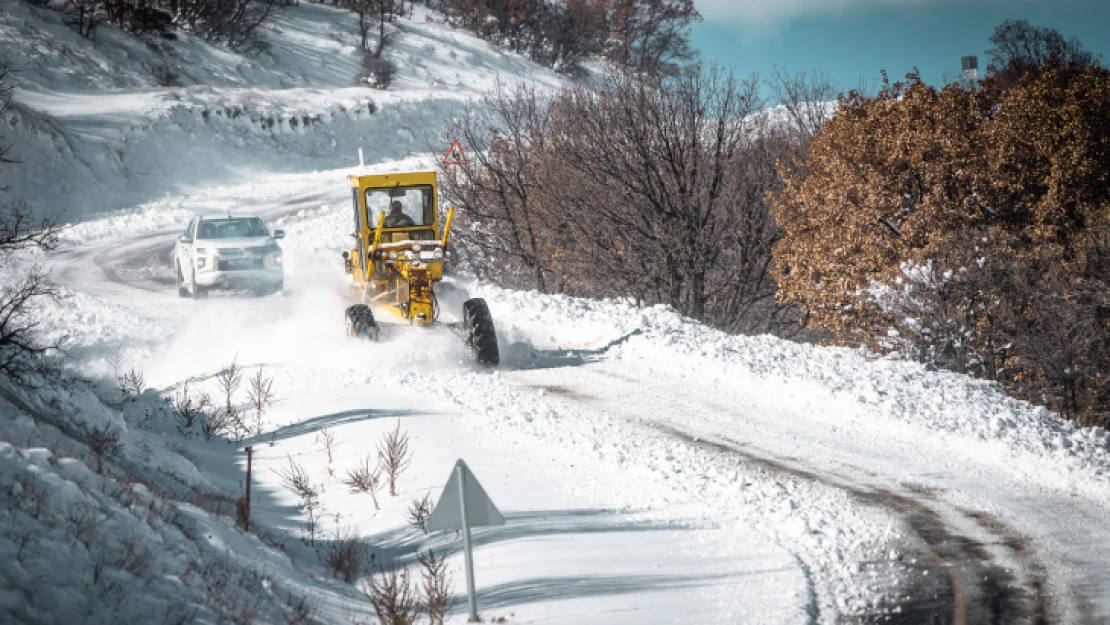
x=239 y=264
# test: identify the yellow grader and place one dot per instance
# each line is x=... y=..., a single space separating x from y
x=397 y=263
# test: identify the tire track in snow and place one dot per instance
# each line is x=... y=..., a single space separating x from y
x=953 y=575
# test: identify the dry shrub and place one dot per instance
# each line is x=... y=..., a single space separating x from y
x=419 y=511
x=132 y=383
x=346 y=555
x=366 y=479
x=393 y=595
x=260 y=391
x=394 y=455
x=435 y=585
x=103 y=442
x=188 y=408
x=967 y=229
x=296 y=479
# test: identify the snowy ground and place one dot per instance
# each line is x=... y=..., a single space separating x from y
x=650 y=469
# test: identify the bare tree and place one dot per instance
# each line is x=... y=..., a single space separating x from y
x=393 y=452
x=497 y=191
x=809 y=99
x=366 y=479
x=436 y=586
x=1021 y=48
x=21 y=345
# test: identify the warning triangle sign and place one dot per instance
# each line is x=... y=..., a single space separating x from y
x=480 y=510
x=454 y=155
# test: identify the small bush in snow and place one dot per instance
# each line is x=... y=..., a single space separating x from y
x=103 y=442
x=392 y=595
x=327 y=438
x=377 y=73
x=229 y=380
x=132 y=383
x=393 y=451
x=419 y=511
x=188 y=408
x=296 y=479
x=364 y=479
x=346 y=555
x=436 y=586
x=261 y=395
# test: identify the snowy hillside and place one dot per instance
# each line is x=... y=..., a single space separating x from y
x=650 y=469
x=98 y=132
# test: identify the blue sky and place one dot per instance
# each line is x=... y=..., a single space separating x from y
x=852 y=40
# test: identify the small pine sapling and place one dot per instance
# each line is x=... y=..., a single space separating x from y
x=393 y=451
x=364 y=479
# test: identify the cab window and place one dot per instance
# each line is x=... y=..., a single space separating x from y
x=403 y=207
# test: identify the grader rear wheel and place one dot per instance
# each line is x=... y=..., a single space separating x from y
x=481 y=336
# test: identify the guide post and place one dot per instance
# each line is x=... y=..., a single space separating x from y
x=465 y=504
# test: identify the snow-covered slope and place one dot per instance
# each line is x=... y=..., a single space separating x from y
x=646 y=463
x=651 y=470
x=97 y=131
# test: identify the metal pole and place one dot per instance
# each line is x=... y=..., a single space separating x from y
x=247 y=516
x=361 y=163
x=473 y=600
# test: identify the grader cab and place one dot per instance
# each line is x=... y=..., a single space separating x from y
x=397 y=263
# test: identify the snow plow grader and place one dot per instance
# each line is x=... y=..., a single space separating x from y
x=397 y=264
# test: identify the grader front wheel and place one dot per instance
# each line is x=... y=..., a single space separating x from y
x=480 y=335
x=360 y=322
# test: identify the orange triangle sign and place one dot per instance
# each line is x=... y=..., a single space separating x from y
x=454 y=155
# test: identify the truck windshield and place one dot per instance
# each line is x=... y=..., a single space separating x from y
x=232 y=228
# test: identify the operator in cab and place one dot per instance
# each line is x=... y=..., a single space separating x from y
x=396 y=218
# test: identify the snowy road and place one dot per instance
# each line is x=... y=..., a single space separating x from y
x=823 y=494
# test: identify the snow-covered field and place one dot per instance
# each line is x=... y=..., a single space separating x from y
x=650 y=469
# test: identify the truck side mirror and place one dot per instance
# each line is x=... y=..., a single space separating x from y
x=279 y=234
x=184 y=238
x=346 y=255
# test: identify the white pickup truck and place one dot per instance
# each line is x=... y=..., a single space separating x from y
x=228 y=251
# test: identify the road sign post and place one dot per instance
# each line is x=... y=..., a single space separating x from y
x=465 y=504
x=470 y=595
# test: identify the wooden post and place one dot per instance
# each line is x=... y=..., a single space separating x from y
x=247 y=516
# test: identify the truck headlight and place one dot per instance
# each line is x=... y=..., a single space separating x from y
x=438 y=254
x=278 y=259
x=393 y=256
x=200 y=263
x=416 y=248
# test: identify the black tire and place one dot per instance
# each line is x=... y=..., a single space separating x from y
x=181 y=290
x=360 y=322
x=480 y=334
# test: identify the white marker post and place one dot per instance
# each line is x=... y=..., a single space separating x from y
x=361 y=163
x=473 y=508
x=471 y=599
